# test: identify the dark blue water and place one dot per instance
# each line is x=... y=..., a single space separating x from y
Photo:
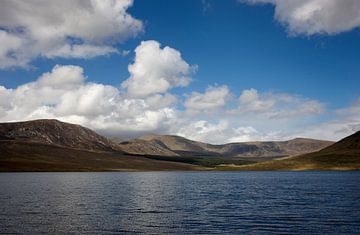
x=180 y=202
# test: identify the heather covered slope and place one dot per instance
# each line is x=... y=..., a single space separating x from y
x=350 y=144
x=25 y=156
x=54 y=132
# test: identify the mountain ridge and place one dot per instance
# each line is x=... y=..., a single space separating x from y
x=259 y=149
x=342 y=155
x=51 y=145
x=55 y=132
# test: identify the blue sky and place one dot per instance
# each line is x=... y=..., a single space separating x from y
x=240 y=45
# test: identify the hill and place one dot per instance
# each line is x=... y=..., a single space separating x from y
x=143 y=147
x=343 y=155
x=20 y=156
x=54 y=132
x=51 y=145
x=258 y=151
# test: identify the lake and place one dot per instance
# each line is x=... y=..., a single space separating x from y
x=180 y=202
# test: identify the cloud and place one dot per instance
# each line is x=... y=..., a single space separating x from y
x=345 y=122
x=277 y=105
x=144 y=104
x=64 y=93
x=156 y=70
x=9 y=45
x=80 y=51
x=224 y=131
x=213 y=98
x=217 y=132
x=311 y=17
x=206 y=5
x=69 y=76
x=161 y=100
x=68 y=29
x=205 y=131
x=243 y=134
x=354 y=110
x=250 y=101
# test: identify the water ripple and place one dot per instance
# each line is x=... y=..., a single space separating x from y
x=180 y=203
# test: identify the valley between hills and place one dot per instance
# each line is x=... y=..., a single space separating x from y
x=50 y=145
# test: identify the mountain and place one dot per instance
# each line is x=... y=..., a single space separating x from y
x=143 y=147
x=177 y=143
x=164 y=145
x=51 y=145
x=54 y=132
x=29 y=157
x=342 y=155
x=348 y=146
x=255 y=150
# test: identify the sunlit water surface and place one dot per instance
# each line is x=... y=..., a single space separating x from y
x=180 y=202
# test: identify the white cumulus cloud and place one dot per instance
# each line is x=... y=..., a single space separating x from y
x=315 y=16
x=156 y=70
x=205 y=131
x=64 y=94
x=224 y=131
x=67 y=28
x=277 y=105
x=213 y=98
x=144 y=104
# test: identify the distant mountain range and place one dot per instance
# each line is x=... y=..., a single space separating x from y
x=171 y=145
x=51 y=145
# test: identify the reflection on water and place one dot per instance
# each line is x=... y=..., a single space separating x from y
x=180 y=202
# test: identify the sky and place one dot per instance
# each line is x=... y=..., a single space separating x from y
x=209 y=70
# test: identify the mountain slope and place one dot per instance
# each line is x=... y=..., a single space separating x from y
x=343 y=155
x=25 y=156
x=349 y=144
x=179 y=145
x=51 y=145
x=54 y=132
x=255 y=150
x=143 y=147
